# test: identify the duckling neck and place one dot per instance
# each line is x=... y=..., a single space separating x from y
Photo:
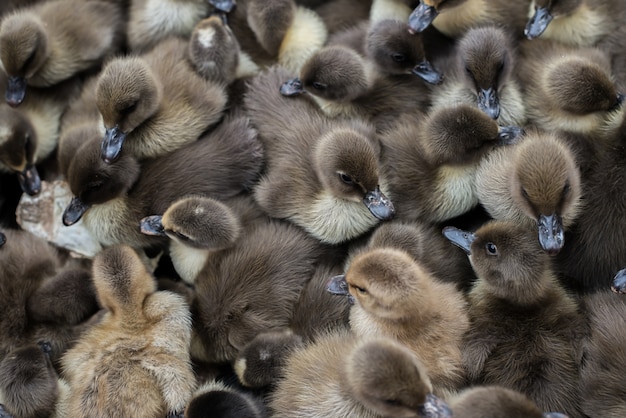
x=188 y=261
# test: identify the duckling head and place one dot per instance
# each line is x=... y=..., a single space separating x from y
x=127 y=94
x=270 y=21
x=546 y=185
x=496 y=401
x=198 y=222
x=18 y=142
x=545 y=11
x=423 y=15
x=94 y=182
x=395 y=51
x=23 y=50
x=485 y=62
x=334 y=73
x=388 y=379
x=214 y=50
x=507 y=260
x=121 y=279
x=347 y=165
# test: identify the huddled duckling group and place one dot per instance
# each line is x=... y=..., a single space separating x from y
x=316 y=208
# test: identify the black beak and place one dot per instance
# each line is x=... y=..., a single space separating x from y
x=426 y=72
x=16 y=91
x=619 y=282
x=509 y=135
x=292 y=87
x=224 y=6
x=30 y=181
x=74 y=211
x=551 y=234
x=434 y=407
x=338 y=286
x=538 y=23
x=151 y=225
x=421 y=17
x=112 y=144
x=379 y=205
x=460 y=238
x=3 y=239
x=489 y=103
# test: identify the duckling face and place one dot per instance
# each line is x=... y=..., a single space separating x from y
x=127 y=94
x=543 y=11
x=485 y=62
x=427 y=10
x=347 y=165
x=18 y=142
x=23 y=49
x=214 y=50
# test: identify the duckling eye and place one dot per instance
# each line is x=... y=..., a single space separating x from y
x=491 y=248
x=525 y=194
x=346 y=178
x=359 y=289
x=397 y=57
x=392 y=402
x=27 y=144
x=128 y=109
x=566 y=188
x=318 y=86
x=468 y=71
x=180 y=236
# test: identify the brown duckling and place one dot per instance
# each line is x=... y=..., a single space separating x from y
x=51 y=42
x=135 y=361
x=396 y=297
x=155 y=103
x=525 y=330
x=341 y=375
x=321 y=174
x=535 y=183
x=218 y=400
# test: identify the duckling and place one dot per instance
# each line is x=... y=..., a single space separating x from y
x=431 y=162
x=155 y=103
x=216 y=399
x=482 y=75
x=50 y=42
x=339 y=15
x=340 y=375
x=535 y=183
x=395 y=297
x=602 y=385
x=570 y=89
x=135 y=361
x=525 y=332
x=321 y=174
x=115 y=197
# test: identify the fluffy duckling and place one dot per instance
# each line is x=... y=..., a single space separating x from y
x=135 y=361
x=525 y=329
x=482 y=75
x=115 y=197
x=155 y=103
x=50 y=42
x=535 y=183
x=340 y=375
x=339 y=15
x=570 y=89
x=395 y=297
x=602 y=384
x=431 y=162
x=216 y=399
x=321 y=174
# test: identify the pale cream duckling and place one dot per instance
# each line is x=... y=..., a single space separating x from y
x=135 y=360
x=218 y=400
x=321 y=174
x=535 y=183
x=398 y=298
x=525 y=330
x=342 y=375
x=51 y=42
x=155 y=103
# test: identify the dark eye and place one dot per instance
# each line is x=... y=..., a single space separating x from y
x=318 y=86
x=392 y=402
x=397 y=57
x=501 y=66
x=468 y=71
x=525 y=194
x=28 y=145
x=359 y=289
x=491 y=248
x=566 y=188
x=128 y=109
x=346 y=178
x=180 y=236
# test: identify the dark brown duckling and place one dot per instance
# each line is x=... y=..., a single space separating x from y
x=218 y=400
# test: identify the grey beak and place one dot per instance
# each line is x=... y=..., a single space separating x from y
x=538 y=23
x=379 y=205
x=619 y=282
x=489 y=103
x=426 y=72
x=112 y=144
x=551 y=234
x=224 y=6
x=16 y=91
x=509 y=135
x=421 y=17
x=151 y=225
x=292 y=87
x=460 y=238
x=338 y=286
x=30 y=181
x=435 y=407
x=3 y=239
x=74 y=211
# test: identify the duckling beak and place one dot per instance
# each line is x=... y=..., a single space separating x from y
x=74 y=211
x=224 y=6
x=619 y=282
x=338 y=286
x=509 y=135
x=538 y=23
x=460 y=238
x=421 y=17
x=551 y=234
x=112 y=144
x=4 y=413
x=3 y=239
x=489 y=103
x=426 y=72
x=152 y=225
x=554 y=415
x=434 y=407
x=29 y=180
x=45 y=346
x=16 y=91
x=619 y=101
x=379 y=205
x=292 y=87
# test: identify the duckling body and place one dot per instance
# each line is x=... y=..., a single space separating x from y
x=494 y=402
x=135 y=361
x=216 y=399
